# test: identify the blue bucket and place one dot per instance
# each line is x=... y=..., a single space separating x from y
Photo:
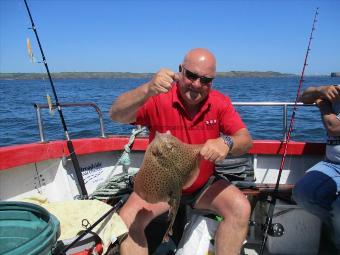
x=27 y=228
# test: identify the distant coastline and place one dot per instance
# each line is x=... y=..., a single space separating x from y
x=113 y=75
x=335 y=74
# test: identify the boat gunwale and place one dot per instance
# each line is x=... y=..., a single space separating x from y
x=17 y=155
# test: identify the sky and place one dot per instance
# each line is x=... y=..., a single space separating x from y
x=144 y=36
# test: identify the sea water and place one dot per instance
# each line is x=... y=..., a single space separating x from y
x=18 y=123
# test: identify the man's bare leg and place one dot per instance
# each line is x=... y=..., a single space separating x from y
x=229 y=202
x=137 y=214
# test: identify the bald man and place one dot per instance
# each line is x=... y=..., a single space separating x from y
x=186 y=104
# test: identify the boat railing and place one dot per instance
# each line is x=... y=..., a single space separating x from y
x=284 y=106
x=38 y=108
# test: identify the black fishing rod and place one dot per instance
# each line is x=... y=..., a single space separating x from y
x=268 y=226
x=69 y=141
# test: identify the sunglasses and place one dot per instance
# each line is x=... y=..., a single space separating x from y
x=193 y=77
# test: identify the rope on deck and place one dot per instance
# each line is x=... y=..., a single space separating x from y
x=119 y=184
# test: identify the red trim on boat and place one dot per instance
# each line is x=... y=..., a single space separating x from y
x=294 y=148
x=17 y=155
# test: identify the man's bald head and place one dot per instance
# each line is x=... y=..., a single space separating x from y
x=199 y=60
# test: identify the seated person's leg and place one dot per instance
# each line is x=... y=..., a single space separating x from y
x=229 y=202
x=137 y=214
x=336 y=222
x=316 y=191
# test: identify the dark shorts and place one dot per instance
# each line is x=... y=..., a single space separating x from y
x=190 y=199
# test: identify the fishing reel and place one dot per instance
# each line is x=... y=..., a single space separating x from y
x=274 y=230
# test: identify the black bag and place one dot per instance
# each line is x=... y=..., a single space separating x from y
x=238 y=170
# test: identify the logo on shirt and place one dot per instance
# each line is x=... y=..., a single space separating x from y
x=210 y=122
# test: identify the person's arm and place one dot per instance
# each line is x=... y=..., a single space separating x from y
x=124 y=109
x=329 y=118
x=328 y=92
x=216 y=149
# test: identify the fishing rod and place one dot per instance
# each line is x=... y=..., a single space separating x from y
x=69 y=141
x=268 y=226
x=88 y=230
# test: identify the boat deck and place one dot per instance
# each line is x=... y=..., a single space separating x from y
x=248 y=249
x=47 y=167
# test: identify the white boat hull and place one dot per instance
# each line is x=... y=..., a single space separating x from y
x=45 y=169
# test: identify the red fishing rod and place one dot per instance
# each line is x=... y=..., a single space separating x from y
x=70 y=147
x=268 y=226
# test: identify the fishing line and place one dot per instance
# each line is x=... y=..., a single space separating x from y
x=272 y=199
x=69 y=141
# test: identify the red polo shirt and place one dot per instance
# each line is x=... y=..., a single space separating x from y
x=166 y=112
